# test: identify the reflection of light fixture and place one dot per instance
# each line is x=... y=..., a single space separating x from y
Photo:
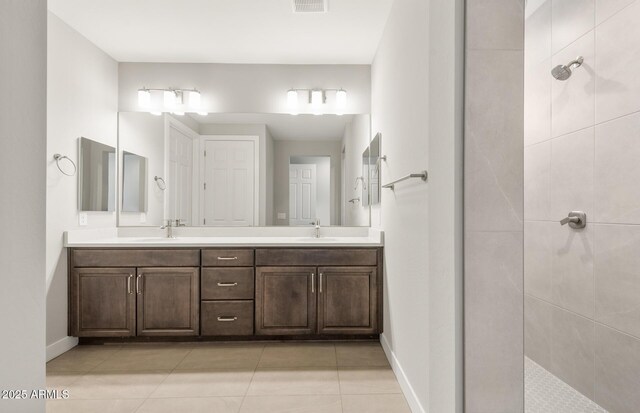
x=144 y=98
x=170 y=99
x=292 y=102
x=341 y=101
x=318 y=98
x=155 y=113
x=195 y=102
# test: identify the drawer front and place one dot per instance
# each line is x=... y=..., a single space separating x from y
x=227 y=283
x=227 y=318
x=227 y=258
x=313 y=256
x=135 y=258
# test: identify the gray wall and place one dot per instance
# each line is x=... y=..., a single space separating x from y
x=23 y=53
x=582 y=287
x=283 y=150
x=494 y=207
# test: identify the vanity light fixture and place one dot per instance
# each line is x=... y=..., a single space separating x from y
x=292 y=101
x=317 y=100
x=172 y=101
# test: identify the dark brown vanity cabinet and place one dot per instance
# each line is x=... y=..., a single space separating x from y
x=144 y=296
x=317 y=298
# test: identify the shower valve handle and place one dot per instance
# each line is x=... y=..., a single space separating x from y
x=575 y=219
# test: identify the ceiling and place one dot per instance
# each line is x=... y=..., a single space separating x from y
x=284 y=127
x=228 y=31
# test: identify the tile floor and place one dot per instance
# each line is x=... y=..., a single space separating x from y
x=545 y=393
x=226 y=378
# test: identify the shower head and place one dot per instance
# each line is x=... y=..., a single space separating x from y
x=563 y=72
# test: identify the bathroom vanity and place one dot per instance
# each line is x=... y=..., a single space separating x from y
x=269 y=290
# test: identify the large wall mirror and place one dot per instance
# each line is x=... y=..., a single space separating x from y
x=235 y=169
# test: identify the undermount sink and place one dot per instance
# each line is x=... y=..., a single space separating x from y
x=322 y=239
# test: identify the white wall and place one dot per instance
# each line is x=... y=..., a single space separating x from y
x=416 y=107
x=22 y=184
x=235 y=88
x=286 y=149
x=82 y=100
x=143 y=135
x=354 y=142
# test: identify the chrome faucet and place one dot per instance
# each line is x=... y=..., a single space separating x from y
x=169 y=227
x=317 y=227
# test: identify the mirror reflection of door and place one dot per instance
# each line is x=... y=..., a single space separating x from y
x=302 y=194
x=180 y=186
x=309 y=190
x=229 y=183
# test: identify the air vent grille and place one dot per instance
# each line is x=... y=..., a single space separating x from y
x=310 y=6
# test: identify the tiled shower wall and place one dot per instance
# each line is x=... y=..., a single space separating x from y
x=582 y=152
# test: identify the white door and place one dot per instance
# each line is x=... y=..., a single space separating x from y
x=229 y=179
x=302 y=194
x=180 y=182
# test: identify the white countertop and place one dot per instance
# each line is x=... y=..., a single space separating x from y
x=111 y=238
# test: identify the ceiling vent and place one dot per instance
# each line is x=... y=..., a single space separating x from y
x=310 y=6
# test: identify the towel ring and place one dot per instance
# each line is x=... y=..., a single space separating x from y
x=57 y=157
x=160 y=182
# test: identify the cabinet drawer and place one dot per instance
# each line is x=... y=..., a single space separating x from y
x=227 y=283
x=227 y=318
x=135 y=258
x=313 y=256
x=227 y=258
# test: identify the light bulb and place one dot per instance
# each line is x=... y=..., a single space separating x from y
x=317 y=99
x=156 y=113
x=144 y=98
x=292 y=102
x=194 y=99
x=341 y=101
x=170 y=99
x=178 y=113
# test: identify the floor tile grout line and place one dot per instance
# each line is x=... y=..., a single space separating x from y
x=252 y=376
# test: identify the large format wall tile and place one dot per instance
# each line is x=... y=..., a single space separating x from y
x=617 y=171
x=572 y=269
x=537 y=35
x=571 y=19
x=537 y=330
x=537 y=181
x=537 y=102
x=494 y=143
x=496 y=24
x=572 y=350
x=572 y=174
x=617 y=371
x=538 y=252
x=618 y=65
x=494 y=318
x=572 y=100
x=617 y=277
x=607 y=8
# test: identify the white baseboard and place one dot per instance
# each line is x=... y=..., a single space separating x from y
x=61 y=346
x=406 y=387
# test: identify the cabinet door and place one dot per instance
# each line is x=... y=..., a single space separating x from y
x=285 y=300
x=347 y=300
x=168 y=301
x=103 y=302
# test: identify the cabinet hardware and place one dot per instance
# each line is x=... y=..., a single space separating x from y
x=313 y=282
x=129 y=279
x=227 y=258
x=320 y=282
x=227 y=319
x=138 y=290
x=227 y=284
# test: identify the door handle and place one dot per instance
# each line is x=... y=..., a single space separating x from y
x=313 y=282
x=320 y=282
x=227 y=284
x=129 y=280
x=227 y=319
x=138 y=290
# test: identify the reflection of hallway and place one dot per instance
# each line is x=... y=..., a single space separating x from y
x=545 y=393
